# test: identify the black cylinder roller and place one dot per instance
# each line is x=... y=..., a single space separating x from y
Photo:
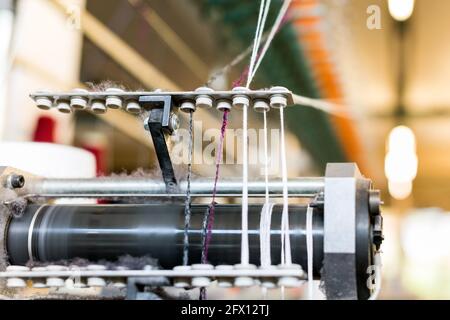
x=55 y=232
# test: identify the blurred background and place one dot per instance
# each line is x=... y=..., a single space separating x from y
x=384 y=62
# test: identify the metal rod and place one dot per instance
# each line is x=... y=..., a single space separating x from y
x=269 y=273
x=144 y=187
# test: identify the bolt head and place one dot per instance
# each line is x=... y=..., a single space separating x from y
x=16 y=181
x=146 y=127
x=174 y=123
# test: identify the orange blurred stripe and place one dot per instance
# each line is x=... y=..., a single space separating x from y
x=324 y=72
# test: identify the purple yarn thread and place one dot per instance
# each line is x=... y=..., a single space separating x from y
x=208 y=221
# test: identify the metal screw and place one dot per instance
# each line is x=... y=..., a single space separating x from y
x=16 y=181
x=146 y=124
x=174 y=123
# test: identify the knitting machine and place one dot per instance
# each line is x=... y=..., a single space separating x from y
x=144 y=216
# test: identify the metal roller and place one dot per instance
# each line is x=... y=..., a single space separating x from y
x=55 y=232
x=347 y=225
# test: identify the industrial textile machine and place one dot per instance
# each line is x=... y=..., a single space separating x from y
x=144 y=217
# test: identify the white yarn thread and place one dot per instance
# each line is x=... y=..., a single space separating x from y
x=245 y=259
x=263 y=12
x=241 y=56
x=325 y=106
x=244 y=238
x=255 y=40
x=266 y=212
x=309 y=250
x=266 y=159
x=270 y=37
x=286 y=257
x=264 y=234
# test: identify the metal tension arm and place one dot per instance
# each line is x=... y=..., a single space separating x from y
x=160 y=123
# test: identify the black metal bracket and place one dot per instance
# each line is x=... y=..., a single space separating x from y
x=158 y=123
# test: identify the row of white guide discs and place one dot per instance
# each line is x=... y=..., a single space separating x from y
x=81 y=99
x=198 y=281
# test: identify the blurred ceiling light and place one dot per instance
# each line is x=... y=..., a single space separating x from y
x=401 y=162
x=401 y=10
x=400 y=190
